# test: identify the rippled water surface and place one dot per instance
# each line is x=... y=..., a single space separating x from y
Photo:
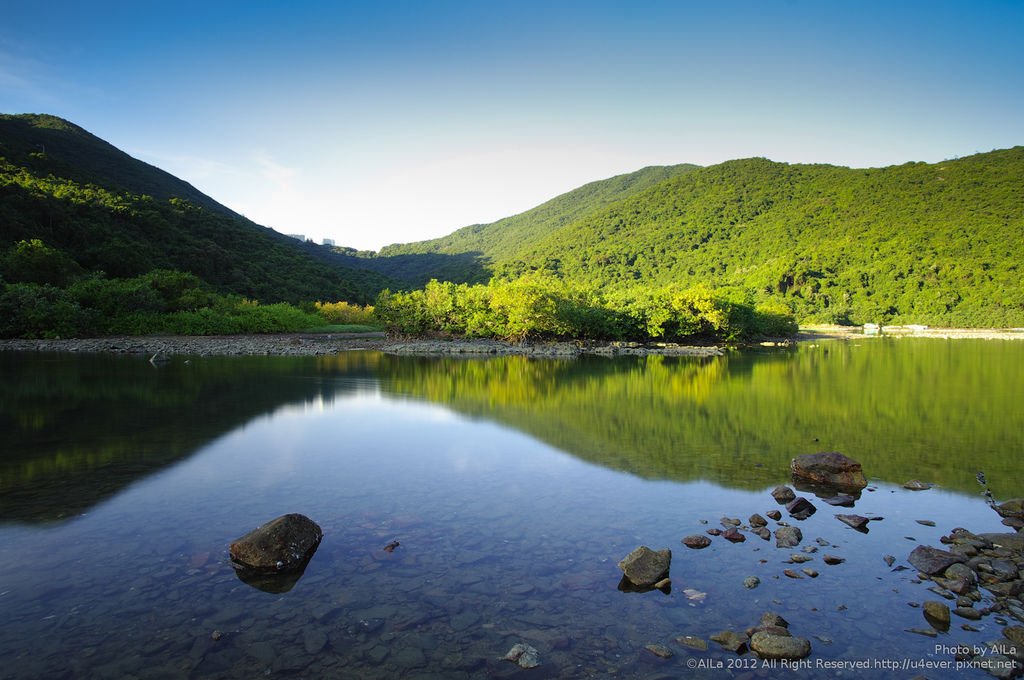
x=513 y=486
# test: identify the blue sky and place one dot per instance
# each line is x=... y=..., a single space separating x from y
x=382 y=122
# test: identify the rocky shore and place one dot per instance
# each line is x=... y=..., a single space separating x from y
x=309 y=344
x=291 y=344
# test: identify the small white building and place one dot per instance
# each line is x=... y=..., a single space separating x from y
x=329 y=242
x=300 y=237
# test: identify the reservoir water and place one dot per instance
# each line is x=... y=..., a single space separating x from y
x=513 y=487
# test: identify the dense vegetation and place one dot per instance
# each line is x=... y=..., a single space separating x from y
x=113 y=214
x=916 y=243
x=48 y=294
x=542 y=306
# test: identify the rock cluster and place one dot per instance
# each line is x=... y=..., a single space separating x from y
x=975 y=562
x=286 y=344
x=769 y=639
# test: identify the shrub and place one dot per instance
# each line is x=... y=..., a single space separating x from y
x=32 y=310
x=345 y=313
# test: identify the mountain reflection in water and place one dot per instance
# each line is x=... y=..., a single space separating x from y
x=76 y=429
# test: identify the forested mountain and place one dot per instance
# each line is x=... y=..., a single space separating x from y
x=916 y=243
x=106 y=211
x=498 y=240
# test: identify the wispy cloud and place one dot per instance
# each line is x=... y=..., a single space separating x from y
x=281 y=176
x=189 y=167
x=29 y=85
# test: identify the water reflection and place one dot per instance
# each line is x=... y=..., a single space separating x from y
x=275 y=584
x=76 y=430
x=936 y=411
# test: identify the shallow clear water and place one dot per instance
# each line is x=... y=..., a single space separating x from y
x=513 y=487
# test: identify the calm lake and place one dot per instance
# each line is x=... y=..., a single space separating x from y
x=513 y=486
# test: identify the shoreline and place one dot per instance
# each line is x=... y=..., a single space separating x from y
x=313 y=344
x=857 y=333
x=306 y=344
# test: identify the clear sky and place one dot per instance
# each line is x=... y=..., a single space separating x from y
x=382 y=122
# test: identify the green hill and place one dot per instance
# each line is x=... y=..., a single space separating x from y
x=467 y=254
x=109 y=212
x=923 y=243
x=916 y=243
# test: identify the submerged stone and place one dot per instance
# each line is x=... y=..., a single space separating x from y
x=659 y=650
x=524 y=655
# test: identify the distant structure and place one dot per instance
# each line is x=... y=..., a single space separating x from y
x=329 y=242
x=300 y=237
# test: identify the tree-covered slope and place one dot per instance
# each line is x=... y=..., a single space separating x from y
x=110 y=212
x=502 y=239
x=916 y=243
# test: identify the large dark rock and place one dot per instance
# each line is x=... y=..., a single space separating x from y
x=831 y=469
x=281 y=545
x=644 y=567
x=932 y=560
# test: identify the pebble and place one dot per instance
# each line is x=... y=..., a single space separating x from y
x=751 y=582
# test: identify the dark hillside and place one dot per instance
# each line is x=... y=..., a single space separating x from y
x=112 y=213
